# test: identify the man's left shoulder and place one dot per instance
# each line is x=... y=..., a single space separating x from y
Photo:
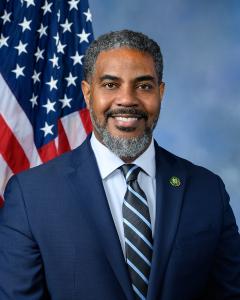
x=191 y=170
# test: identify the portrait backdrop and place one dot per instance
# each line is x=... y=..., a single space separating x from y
x=200 y=115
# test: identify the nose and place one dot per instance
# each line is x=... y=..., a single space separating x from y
x=127 y=97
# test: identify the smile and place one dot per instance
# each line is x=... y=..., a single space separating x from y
x=126 y=119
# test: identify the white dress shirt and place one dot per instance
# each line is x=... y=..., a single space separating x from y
x=115 y=185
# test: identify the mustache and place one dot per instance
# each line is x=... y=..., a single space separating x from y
x=134 y=112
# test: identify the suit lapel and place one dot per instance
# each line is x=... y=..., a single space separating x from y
x=89 y=192
x=169 y=200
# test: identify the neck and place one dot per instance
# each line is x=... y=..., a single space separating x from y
x=129 y=160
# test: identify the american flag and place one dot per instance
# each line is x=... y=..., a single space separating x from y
x=42 y=110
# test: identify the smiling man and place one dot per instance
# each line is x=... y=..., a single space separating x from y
x=119 y=217
x=128 y=92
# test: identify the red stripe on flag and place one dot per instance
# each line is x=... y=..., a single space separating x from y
x=85 y=117
x=11 y=149
x=48 y=151
x=63 y=144
x=1 y=202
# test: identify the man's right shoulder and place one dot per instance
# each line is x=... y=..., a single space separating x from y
x=55 y=167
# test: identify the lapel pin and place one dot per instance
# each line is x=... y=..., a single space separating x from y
x=175 y=181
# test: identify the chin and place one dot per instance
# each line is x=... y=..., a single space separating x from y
x=126 y=145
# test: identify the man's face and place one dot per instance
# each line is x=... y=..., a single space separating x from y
x=124 y=95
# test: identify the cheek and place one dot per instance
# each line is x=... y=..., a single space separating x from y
x=100 y=102
x=99 y=109
x=153 y=109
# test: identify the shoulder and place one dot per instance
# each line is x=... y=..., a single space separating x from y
x=177 y=161
x=202 y=187
x=55 y=169
x=194 y=173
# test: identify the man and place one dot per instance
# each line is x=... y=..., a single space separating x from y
x=119 y=217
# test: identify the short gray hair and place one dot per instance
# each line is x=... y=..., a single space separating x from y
x=119 y=39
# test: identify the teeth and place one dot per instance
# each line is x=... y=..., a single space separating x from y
x=124 y=119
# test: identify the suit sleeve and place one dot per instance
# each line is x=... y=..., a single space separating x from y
x=21 y=270
x=227 y=263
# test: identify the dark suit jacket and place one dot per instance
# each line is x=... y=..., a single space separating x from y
x=58 y=240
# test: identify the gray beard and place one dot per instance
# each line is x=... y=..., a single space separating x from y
x=125 y=148
x=128 y=148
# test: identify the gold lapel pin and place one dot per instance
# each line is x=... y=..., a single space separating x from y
x=175 y=181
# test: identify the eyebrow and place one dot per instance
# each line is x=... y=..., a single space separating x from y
x=138 y=79
x=145 y=78
x=108 y=77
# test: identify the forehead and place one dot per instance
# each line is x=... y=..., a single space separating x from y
x=124 y=61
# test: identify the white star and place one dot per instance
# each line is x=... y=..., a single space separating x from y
x=42 y=30
x=56 y=37
x=73 y=4
x=83 y=36
x=3 y=41
x=25 y=24
x=34 y=100
x=39 y=54
x=71 y=79
x=52 y=83
x=60 y=47
x=21 y=48
x=35 y=76
x=54 y=60
x=18 y=71
x=47 y=129
x=66 y=26
x=77 y=59
x=49 y=106
x=30 y=2
x=66 y=101
x=6 y=17
x=88 y=15
x=46 y=7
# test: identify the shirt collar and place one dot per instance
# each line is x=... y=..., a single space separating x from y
x=108 y=161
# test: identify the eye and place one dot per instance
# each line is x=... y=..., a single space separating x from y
x=110 y=85
x=145 y=86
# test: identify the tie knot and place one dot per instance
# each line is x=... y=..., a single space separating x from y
x=130 y=172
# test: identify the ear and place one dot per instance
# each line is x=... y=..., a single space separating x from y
x=86 y=92
x=161 y=89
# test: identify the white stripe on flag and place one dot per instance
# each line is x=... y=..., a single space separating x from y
x=74 y=129
x=56 y=142
x=6 y=173
x=17 y=120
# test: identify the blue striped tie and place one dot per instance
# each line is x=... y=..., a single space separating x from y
x=137 y=231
